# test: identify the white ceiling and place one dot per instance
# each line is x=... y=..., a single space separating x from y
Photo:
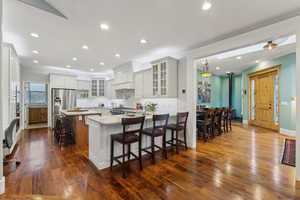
x=170 y=26
x=228 y=62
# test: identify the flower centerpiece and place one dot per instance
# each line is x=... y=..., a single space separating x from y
x=151 y=107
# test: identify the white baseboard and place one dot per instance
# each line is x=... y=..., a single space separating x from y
x=287 y=132
x=245 y=121
x=2 y=185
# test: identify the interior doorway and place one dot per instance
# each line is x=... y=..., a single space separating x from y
x=264 y=98
x=35 y=105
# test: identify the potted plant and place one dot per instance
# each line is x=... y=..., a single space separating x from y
x=151 y=107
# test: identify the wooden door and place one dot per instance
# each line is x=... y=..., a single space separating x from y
x=264 y=104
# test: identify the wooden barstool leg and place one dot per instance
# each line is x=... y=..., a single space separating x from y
x=111 y=153
x=123 y=161
x=140 y=152
x=177 y=145
x=152 y=150
x=185 y=144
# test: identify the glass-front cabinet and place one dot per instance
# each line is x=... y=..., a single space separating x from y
x=164 y=74
x=97 y=88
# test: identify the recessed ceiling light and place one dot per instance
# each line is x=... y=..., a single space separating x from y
x=218 y=68
x=143 y=41
x=117 y=55
x=35 y=51
x=68 y=66
x=35 y=35
x=206 y=5
x=74 y=59
x=239 y=57
x=104 y=27
x=91 y=69
x=35 y=61
x=85 y=47
x=257 y=61
x=102 y=63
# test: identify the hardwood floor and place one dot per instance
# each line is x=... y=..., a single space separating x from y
x=244 y=164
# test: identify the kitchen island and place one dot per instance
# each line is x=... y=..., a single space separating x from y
x=100 y=130
x=80 y=129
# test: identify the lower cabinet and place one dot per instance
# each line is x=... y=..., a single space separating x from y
x=38 y=115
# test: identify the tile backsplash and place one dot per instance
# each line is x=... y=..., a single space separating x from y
x=165 y=105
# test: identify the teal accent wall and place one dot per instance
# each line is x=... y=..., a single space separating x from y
x=220 y=95
x=287 y=84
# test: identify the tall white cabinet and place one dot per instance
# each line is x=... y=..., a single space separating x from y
x=10 y=91
x=164 y=77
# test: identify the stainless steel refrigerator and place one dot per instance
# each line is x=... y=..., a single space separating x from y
x=62 y=99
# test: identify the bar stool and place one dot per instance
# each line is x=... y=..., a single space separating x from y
x=160 y=123
x=64 y=131
x=180 y=125
x=128 y=137
x=203 y=124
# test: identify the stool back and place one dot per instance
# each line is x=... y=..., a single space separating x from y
x=128 y=122
x=160 y=121
x=182 y=119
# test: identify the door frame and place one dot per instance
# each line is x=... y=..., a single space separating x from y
x=274 y=69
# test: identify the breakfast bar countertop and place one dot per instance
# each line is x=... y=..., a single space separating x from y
x=113 y=119
x=82 y=112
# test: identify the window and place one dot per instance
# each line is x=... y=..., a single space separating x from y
x=37 y=94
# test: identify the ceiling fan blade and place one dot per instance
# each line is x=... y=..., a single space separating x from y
x=43 y=5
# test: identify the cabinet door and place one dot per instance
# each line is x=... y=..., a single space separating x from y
x=139 y=85
x=147 y=84
x=155 y=80
x=163 y=79
x=58 y=82
x=101 y=88
x=94 y=88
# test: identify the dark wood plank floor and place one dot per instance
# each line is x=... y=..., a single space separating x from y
x=244 y=164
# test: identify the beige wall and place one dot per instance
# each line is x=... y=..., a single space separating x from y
x=298 y=107
x=2 y=182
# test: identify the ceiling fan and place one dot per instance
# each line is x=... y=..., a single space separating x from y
x=43 y=5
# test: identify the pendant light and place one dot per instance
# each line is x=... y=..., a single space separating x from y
x=205 y=71
x=270 y=45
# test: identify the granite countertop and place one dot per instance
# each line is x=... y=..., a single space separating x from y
x=82 y=113
x=113 y=119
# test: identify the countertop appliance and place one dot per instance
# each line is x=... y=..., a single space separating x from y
x=62 y=99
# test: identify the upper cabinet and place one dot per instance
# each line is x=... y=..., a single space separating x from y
x=63 y=81
x=164 y=77
x=83 y=85
x=143 y=84
x=98 y=88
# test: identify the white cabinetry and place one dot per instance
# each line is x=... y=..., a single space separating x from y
x=164 y=77
x=83 y=85
x=98 y=88
x=139 y=85
x=143 y=84
x=63 y=81
x=10 y=91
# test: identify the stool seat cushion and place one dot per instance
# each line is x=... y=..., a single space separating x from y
x=127 y=140
x=174 y=127
x=156 y=132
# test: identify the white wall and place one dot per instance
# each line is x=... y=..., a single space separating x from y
x=298 y=107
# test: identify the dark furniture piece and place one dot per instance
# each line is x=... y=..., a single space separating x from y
x=128 y=137
x=203 y=126
x=8 y=141
x=64 y=132
x=160 y=123
x=179 y=126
